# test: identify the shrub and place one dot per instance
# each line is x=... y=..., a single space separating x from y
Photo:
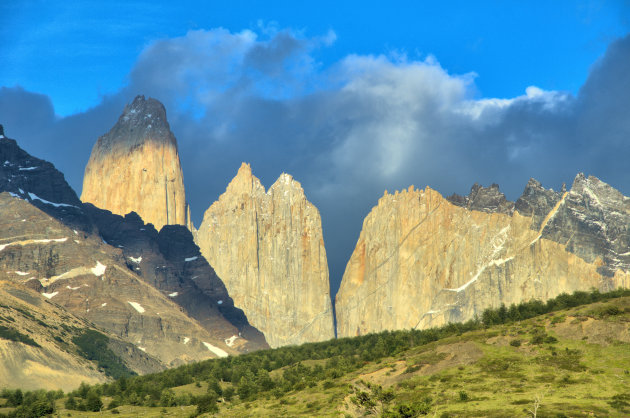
x=93 y=346
x=15 y=335
x=207 y=403
x=93 y=401
x=515 y=343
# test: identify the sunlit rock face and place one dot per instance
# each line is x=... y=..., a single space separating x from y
x=135 y=167
x=423 y=260
x=268 y=248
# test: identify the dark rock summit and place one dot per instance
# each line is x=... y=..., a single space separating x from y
x=484 y=199
x=141 y=120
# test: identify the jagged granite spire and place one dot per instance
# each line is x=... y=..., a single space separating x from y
x=136 y=167
x=268 y=248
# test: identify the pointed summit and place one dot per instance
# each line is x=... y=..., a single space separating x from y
x=135 y=167
x=268 y=248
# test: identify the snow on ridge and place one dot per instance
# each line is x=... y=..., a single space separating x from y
x=39 y=241
x=99 y=269
x=191 y=258
x=215 y=350
x=136 y=306
x=50 y=295
x=36 y=241
x=230 y=341
x=33 y=196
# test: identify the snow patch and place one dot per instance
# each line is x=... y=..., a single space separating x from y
x=186 y=340
x=50 y=295
x=215 y=350
x=99 y=269
x=21 y=273
x=191 y=258
x=33 y=196
x=104 y=305
x=143 y=349
x=172 y=295
x=230 y=341
x=136 y=260
x=136 y=306
x=73 y=288
x=44 y=241
x=220 y=302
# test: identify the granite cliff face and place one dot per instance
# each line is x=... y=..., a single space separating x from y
x=150 y=289
x=422 y=260
x=268 y=249
x=135 y=167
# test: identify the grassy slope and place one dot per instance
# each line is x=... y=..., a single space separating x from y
x=479 y=373
x=497 y=378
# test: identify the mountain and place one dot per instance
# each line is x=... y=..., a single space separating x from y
x=153 y=290
x=41 y=345
x=423 y=260
x=135 y=168
x=268 y=248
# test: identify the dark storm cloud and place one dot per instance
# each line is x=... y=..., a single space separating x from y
x=347 y=132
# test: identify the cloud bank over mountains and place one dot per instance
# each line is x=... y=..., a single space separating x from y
x=346 y=131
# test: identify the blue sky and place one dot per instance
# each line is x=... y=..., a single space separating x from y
x=351 y=98
x=77 y=51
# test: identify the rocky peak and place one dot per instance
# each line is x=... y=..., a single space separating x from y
x=598 y=193
x=269 y=250
x=536 y=201
x=244 y=181
x=142 y=120
x=135 y=167
x=38 y=182
x=286 y=185
x=484 y=199
x=1 y=131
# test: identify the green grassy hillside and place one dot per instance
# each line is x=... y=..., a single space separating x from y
x=567 y=357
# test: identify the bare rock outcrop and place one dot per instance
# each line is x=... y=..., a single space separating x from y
x=268 y=248
x=422 y=260
x=135 y=167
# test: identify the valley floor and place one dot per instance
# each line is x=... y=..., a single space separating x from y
x=574 y=362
